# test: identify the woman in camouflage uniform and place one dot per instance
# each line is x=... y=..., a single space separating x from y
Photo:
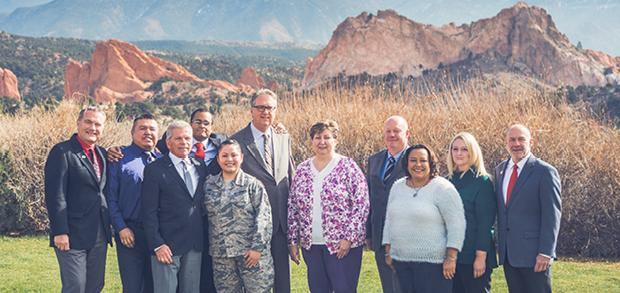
x=239 y=219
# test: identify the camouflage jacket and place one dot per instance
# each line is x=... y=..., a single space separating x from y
x=239 y=215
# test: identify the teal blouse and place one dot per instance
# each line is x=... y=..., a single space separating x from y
x=480 y=210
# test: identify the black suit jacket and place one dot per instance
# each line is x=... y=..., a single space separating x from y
x=170 y=214
x=73 y=196
x=215 y=138
x=379 y=192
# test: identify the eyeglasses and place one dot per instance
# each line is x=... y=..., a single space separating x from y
x=263 y=108
x=200 y=122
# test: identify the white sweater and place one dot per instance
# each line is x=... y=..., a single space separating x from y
x=420 y=228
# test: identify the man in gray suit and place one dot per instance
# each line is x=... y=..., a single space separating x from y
x=384 y=168
x=529 y=210
x=267 y=156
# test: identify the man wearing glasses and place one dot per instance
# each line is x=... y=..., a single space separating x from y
x=205 y=142
x=267 y=156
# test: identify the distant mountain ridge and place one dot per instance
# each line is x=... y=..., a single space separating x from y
x=521 y=39
x=593 y=22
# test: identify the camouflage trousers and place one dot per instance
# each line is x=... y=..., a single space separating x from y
x=231 y=276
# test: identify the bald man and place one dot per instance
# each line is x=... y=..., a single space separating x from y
x=384 y=168
x=529 y=211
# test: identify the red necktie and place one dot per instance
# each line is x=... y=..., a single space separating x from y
x=95 y=162
x=511 y=183
x=200 y=151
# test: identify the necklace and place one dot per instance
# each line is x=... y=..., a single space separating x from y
x=415 y=189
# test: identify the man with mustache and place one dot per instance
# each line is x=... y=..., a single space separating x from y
x=75 y=176
x=529 y=211
x=123 y=196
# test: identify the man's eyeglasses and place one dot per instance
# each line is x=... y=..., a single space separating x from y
x=263 y=108
x=200 y=122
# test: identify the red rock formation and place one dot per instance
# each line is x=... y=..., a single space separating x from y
x=8 y=84
x=119 y=71
x=273 y=85
x=522 y=37
x=251 y=78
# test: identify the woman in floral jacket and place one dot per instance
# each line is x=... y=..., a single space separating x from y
x=327 y=210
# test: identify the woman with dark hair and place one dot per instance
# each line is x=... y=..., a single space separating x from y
x=424 y=225
x=327 y=211
x=477 y=258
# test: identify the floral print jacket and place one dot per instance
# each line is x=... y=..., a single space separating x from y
x=344 y=203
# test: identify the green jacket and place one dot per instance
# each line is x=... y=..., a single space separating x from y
x=480 y=211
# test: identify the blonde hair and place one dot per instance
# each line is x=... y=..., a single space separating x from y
x=475 y=155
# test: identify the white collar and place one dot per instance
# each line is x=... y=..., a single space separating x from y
x=176 y=160
x=521 y=163
x=257 y=134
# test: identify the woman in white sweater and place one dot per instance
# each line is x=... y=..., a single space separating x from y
x=424 y=225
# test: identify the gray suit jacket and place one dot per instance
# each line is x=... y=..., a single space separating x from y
x=277 y=185
x=529 y=225
x=379 y=192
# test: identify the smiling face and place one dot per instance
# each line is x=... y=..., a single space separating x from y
x=90 y=126
x=324 y=143
x=263 y=112
x=395 y=134
x=460 y=155
x=230 y=158
x=144 y=134
x=518 y=142
x=202 y=125
x=180 y=141
x=418 y=165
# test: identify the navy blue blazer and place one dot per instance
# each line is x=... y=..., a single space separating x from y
x=73 y=196
x=530 y=223
x=170 y=215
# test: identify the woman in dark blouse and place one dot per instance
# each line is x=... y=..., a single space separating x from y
x=477 y=258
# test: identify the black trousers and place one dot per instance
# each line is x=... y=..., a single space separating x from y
x=525 y=280
x=421 y=277
x=464 y=281
x=134 y=264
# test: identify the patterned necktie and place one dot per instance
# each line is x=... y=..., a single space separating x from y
x=95 y=162
x=511 y=183
x=187 y=177
x=200 y=151
x=149 y=157
x=268 y=156
x=389 y=168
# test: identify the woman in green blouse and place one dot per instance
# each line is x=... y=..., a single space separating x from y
x=477 y=258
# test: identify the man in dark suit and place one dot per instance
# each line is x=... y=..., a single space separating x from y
x=384 y=167
x=75 y=175
x=172 y=213
x=123 y=196
x=267 y=156
x=529 y=211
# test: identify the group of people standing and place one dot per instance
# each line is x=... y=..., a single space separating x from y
x=198 y=211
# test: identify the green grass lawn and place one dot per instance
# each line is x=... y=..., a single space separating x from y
x=27 y=264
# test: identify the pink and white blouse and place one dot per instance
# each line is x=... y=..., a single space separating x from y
x=344 y=204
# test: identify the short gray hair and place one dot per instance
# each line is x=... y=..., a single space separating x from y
x=262 y=92
x=91 y=109
x=177 y=124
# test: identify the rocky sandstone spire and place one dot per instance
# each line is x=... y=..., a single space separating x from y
x=522 y=38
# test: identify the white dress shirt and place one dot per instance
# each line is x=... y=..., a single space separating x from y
x=176 y=161
x=260 y=141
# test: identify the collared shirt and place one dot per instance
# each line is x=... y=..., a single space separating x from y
x=508 y=172
x=259 y=140
x=90 y=148
x=210 y=149
x=396 y=158
x=176 y=161
x=125 y=184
